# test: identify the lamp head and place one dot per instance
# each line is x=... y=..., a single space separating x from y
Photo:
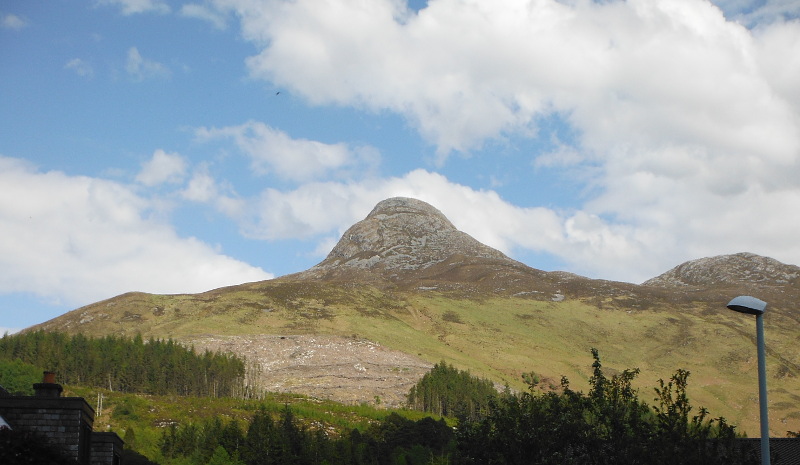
x=747 y=304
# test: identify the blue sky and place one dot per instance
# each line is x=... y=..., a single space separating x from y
x=179 y=146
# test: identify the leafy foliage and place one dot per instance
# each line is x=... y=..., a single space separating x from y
x=267 y=441
x=447 y=391
x=128 y=365
x=18 y=377
x=608 y=425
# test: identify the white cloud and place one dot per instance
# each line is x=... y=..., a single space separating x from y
x=201 y=188
x=273 y=151
x=777 y=57
x=162 y=168
x=140 y=68
x=76 y=239
x=759 y=12
x=464 y=72
x=14 y=22
x=130 y=7
x=589 y=243
x=321 y=208
x=688 y=123
x=194 y=10
x=80 y=67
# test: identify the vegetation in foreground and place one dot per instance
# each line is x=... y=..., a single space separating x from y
x=607 y=425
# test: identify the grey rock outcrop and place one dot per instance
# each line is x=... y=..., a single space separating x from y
x=736 y=269
x=403 y=235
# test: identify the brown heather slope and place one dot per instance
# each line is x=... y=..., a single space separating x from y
x=404 y=289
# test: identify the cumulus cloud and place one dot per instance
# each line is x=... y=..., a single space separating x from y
x=323 y=211
x=76 y=239
x=587 y=242
x=204 y=188
x=201 y=188
x=687 y=121
x=318 y=209
x=80 y=67
x=140 y=68
x=197 y=11
x=776 y=55
x=465 y=72
x=162 y=168
x=130 y=7
x=14 y=22
x=759 y=12
x=273 y=151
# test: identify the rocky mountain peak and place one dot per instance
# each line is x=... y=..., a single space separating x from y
x=403 y=234
x=737 y=269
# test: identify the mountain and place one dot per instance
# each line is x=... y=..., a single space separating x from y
x=404 y=289
x=742 y=273
x=405 y=243
x=402 y=237
x=741 y=269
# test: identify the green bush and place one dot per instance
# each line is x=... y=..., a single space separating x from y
x=608 y=425
x=18 y=377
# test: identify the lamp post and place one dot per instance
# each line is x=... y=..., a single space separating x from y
x=753 y=306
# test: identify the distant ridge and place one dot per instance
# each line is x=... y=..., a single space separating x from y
x=736 y=269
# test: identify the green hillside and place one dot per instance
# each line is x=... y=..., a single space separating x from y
x=499 y=337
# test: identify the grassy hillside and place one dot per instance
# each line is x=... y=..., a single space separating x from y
x=142 y=419
x=499 y=336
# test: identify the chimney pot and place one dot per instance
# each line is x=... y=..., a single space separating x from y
x=48 y=386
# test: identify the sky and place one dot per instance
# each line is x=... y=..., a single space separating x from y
x=172 y=146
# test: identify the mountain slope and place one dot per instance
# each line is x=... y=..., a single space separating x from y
x=742 y=269
x=404 y=289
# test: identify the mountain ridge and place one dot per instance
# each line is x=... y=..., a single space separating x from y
x=736 y=269
x=404 y=289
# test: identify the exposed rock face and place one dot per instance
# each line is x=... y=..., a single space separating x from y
x=403 y=235
x=737 y=269
x=332 y=367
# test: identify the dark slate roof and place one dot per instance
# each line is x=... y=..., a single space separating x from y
x=782 y=451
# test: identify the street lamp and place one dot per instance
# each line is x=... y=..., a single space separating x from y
x=753 y=306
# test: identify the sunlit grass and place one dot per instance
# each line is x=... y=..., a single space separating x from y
x=499 y=338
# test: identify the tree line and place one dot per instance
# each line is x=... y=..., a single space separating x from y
x=447 y=391
x=284 y=440
x=608 y=425
x=123 y=364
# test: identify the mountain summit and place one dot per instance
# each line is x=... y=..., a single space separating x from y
x=399 y=237
x=736 y=269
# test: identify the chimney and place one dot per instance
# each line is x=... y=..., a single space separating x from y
x=48 y=387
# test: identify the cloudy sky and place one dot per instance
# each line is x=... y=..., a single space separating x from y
x=176 y=146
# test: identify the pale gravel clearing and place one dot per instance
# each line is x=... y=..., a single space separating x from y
x=343 y=369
